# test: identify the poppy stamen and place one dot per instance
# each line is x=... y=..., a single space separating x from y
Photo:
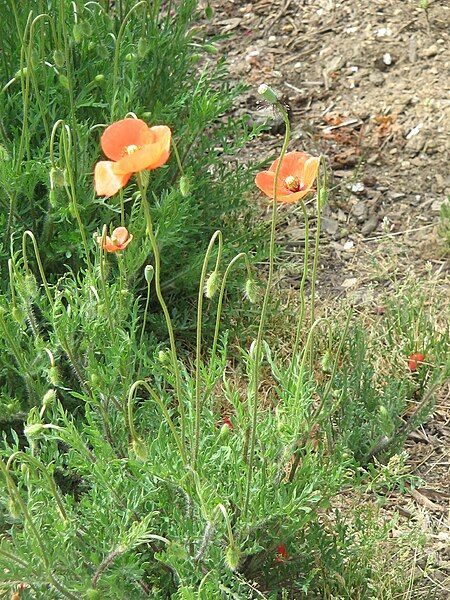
x=131 y=149
x=293 y=184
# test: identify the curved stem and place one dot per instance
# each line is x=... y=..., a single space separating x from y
x=262 y=322
x=173 y=348
x=30 y=234
x=316 y=257
x=216 y=235
x=104 y=288
x=301 y=317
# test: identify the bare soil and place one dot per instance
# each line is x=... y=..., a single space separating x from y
x=367 y=85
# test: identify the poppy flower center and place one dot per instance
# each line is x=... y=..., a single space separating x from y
x=293 y=184
x=131 y=149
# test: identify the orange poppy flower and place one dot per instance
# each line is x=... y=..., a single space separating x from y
x=132 y=146
x=119 y=240
x=297 y=174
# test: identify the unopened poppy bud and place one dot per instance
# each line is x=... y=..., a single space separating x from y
x=11 y=408
x=212 y=284
x=142 y=48
x=149 y=272
x=164 y=357
x=210 y=49
x=100 y=78
x=86 y=28
x=57 y=177
x=13 y=508
x=49 y=398
x=30 y=286
x=25 y=469
x=92 y=594
x=232 y=557
x=64 y=81
x=59 y=58
x=185 y=186
x=267 y=93
x=326 y=363
x=130 y=56
x=147 y=115
x=224 y=432
x=53 y=375
x=77 y=33
x=383 y=411
x=139 y=449
x=33 y=430
x=95 y=379
x=251 y=290
x=209 y=11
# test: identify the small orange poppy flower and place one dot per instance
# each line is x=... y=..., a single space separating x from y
x=119 y=240
x=297 y=174
x=415 y=360
x=132 y=146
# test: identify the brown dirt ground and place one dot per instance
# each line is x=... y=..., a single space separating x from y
x=367 y=86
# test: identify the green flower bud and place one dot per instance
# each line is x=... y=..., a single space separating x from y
x=95 y=379
x=30 y=286
x=100 y=78
x=232 y=557
x=268 y=94
x=142 y=48
x=326 y=363
x=164 y=357
x=21 y=73
x=77 y=33
x=224 y=432
x=53 y=375
x=185 y=186
x=92 y=594
x=130 y=56
x=64 y=81
x=49 y=398
x=13 y=508
x=251 y=290
x=25 y=469
x=86 y=28
x=146 y=115
x=57 y=177
x=33 y=430
x=149 y=272
x=212 y=284
x=59 y=58
x=139 y=449
x=383 y=412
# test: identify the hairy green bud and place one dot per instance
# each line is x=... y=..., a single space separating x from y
x=130 y=56
x=149 y=272
x=59 y=58
x=64 y=81
x=77 y=33
x=92 y=594
x=49 y=398
x=100 y=78
x=30 y=286
x=21 y=73
x=13 y=508
x=326 y=363
x=53 y=375
x=185 y=186
x=232 y=557
x=33 y=430
x=164 y=357
x=268 y=94
x=146 y=115
x=142 y=48
x=251 y=290
x=57 y=177
x=86 y=28
x=139 y=449
x=212 y=284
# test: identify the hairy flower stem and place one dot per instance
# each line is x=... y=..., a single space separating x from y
x=42 y=550
x=39 y=262
x=104 y=287
x=217 y=235
x=173 y=348
x=262 y=322
x=301 y=317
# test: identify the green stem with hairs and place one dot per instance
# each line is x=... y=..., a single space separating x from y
x=173 y=348
x=262 y=322
x=217 y=235
x=30 y=234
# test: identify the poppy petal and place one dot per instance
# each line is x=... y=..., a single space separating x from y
x=292 y=164
x=164 y=136
x=265 y=180
x=106 y=181
x=121 y=134
x=310 y=171
x=120 y=234
x=293 y=197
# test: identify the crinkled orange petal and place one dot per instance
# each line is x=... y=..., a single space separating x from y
x=265 y=180
x=292 y=164
x=149 y=156
x=121 y=234
x=310 y=171
x=106 y=181
x=121 y=134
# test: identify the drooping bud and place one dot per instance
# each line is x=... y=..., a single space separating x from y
x=13 y=508
x=232 y=557
x=57 y=177
x=251 y=290
x=92 y=594
x=100 y=78
x=30 y=286
x=59 y=58
x=164 y=357
x=185 y=186
x=139 y=449
x=64 y=82
x=86 y=28
x=33 y=430
x=212 y=284
x=53 y=375
x=77 y=33
x=21 y=73
x=326 y=363
x=142 y=48
x=268 y=94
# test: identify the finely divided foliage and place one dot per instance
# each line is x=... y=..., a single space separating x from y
x=133 y=464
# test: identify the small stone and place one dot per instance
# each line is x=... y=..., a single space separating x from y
x=369 y=226
x=359 y=212
x=358 y=187
x=387 y=59
x=430 y=52
x=349 y=282
x=329 y=225
x=376 y=78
